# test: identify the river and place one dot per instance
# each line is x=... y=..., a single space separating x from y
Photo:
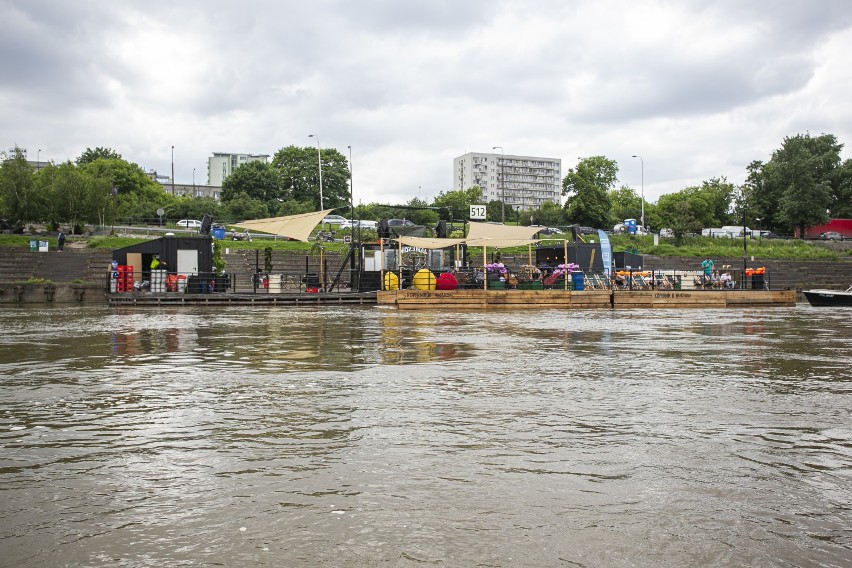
x=362 y=436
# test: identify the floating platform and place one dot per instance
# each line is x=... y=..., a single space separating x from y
x=237 y=299
x=585 y=299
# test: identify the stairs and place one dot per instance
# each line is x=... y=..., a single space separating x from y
x=19 y=264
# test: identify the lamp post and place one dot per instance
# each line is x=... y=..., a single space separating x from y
x=745 y=243
x=352 y=196
x=173 y=170
x=502 y=186
x=319 y=162
x=38 y=160
x=642 y=217
x=193 y=182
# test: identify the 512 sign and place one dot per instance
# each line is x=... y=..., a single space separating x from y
x=477 y=212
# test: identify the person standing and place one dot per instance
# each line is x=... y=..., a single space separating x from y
x=60 y=241
x=707 y=266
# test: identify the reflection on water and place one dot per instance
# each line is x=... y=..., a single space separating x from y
x=371 y=437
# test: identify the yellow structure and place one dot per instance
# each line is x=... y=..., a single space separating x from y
x=424 y=280
x=391 y=281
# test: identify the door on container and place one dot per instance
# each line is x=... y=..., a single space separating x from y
x=187 y=261
x=134 y=259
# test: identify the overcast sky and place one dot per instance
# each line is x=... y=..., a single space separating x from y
x=698 y=89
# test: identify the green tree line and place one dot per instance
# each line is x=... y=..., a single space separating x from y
x=805 y=182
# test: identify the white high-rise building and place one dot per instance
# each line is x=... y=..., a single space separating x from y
x=524 y=182
x=220 y=165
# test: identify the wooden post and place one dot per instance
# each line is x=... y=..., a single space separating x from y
x=484 y=268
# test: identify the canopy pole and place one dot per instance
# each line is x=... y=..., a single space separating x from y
x=530 y=257
x=399 y=264
x=484 y=267
x=565 y=256
x=382 y=263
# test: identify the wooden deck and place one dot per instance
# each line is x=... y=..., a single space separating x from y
x=237 y=299
x=586 y=299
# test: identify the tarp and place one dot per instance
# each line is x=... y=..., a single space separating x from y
x=489 y=234
x=297 y=227
x=425 y=243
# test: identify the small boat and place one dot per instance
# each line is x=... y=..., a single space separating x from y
x=829 y=297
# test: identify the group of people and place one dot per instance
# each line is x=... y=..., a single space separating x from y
x=713 y=278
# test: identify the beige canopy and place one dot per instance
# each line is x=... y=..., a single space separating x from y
x=297 y=227
x=489 y=234
x=426 y=243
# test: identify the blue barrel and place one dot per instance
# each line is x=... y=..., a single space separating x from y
x=219 y=233
x=579 y=280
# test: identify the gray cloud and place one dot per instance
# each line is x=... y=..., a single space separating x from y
x=700 y=89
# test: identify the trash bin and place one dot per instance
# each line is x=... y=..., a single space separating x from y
x=579 y=280
x=757 y=282
x=219 y=233
x=33 y=246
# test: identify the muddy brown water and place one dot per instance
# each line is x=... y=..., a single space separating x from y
x=372 y=437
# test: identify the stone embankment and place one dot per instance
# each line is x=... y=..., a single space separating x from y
x=79 y=275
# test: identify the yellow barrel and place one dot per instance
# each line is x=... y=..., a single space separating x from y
x=391 y=281
x=424 y=279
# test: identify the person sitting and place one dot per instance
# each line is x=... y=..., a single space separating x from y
x=715 y=282
x=726 y=280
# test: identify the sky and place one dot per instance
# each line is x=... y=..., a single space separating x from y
x=697 y=89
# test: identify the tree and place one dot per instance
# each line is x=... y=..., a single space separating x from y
x=549 y=214
x=718 y=194
x=298 y=170
x=124 y=191
x=676 y=213
x=242 y=207
x=497 y=211
x=258 y=180
x=841 y=201
x=98 y=153
x=456 y=203
x=587 y=187
x=801 y=184
x=20 y=198
x=624 y=204
x=68 y=188
x=195 y=208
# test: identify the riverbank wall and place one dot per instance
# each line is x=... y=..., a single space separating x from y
x=79 y=275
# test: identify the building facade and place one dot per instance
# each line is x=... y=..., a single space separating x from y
x=220 y=165
x=523 y=182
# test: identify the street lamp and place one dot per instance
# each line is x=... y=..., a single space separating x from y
x=173 y=170
x=38 y=160
x=352 y=196
x=193 y=182
x=319 y=162
x=642 y=217
x=502 y=186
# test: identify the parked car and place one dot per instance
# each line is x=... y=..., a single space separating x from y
x=549 y=231
x=363 y=223
x=666 y=233
x=189 y=224
x=334 y=220
x=831 y=236
x=400 y=223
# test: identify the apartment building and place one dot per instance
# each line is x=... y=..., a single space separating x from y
x=220 y=165
x=524 y=182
